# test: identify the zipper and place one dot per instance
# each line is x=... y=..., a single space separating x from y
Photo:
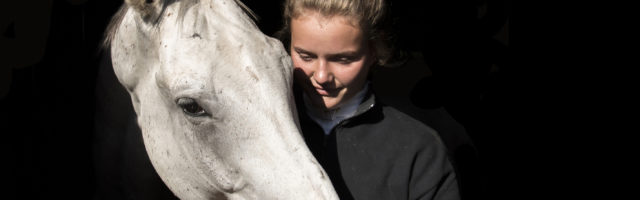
x=334 y=130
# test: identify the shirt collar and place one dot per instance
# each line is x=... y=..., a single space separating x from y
x=329 y=119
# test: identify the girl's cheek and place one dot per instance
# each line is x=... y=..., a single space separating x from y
x=297 y=64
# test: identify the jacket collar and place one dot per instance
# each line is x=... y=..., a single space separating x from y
x=367 y=104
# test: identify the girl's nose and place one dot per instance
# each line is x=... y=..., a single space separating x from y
x=322 y=75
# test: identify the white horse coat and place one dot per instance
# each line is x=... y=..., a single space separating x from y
x=213 y=99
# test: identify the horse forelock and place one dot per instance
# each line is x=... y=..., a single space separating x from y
x=118 y=17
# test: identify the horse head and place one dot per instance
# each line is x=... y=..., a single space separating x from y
x=213 y=99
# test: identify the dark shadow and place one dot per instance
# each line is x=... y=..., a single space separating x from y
x=123 y=169
x=464 y=44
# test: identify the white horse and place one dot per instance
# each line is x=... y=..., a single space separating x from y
x=213 y=99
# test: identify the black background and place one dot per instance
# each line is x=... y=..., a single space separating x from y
x=523 y=115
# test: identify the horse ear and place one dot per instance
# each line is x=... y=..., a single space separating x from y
x=148 y=9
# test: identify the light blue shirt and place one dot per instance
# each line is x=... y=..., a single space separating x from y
x=329 y=119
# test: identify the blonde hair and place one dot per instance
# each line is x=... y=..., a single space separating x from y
x=369 y=14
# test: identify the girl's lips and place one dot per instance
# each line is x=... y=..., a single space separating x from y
x=322 y=92
x=325 y=92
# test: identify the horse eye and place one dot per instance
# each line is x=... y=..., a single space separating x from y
x=190 y=107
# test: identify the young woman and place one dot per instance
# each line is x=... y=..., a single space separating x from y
x=369 y=150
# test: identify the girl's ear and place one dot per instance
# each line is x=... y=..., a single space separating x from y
x=388 y=56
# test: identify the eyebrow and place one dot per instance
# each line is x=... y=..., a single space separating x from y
x=300 y=50
x=345 y=53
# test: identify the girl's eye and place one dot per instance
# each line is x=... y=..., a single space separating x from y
x=305 y=57
x=344 y=60
x=191 y=107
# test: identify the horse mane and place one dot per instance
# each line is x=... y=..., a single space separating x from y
x=116 y=20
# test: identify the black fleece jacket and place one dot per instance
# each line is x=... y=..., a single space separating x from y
x=381 y=153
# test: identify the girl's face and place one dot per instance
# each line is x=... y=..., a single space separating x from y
x=331 y=57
